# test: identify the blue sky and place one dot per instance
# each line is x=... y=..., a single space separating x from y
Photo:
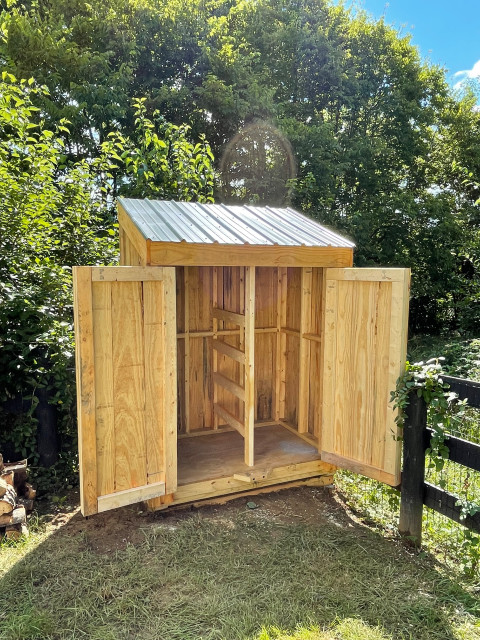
x=447 y=32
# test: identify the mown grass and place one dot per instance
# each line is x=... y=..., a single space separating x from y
x=245 y=577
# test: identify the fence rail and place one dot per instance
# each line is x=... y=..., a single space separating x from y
x=415 y=492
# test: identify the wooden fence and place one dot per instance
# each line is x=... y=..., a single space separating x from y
x=415 y=492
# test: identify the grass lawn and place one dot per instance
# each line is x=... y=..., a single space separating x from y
x=297 y=567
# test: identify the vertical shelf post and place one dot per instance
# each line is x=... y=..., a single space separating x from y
x=281 y=343
x=187 y=348
x=215 y=333
x=304 y=357
x=249 y=369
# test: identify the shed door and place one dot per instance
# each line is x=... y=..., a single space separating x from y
x=366 y=312
x=126 y=384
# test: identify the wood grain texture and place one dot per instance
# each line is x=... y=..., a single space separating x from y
x=249 y=370
x=125 y=274
x=214 y=353
x=229 y=317
x=129 y=385
x=133 y=234
x=127 y=394
x=368 y=275
x=155 y=372
x=169 y=382
x=280 y=361
x=222 y=454
x=85 y=373
x=230 y=385
x=266 y=285
x=104 y=399
x=122 y=237
x=360 y=467
x=230 y=419
x=186 y=349
x=200 y=284
x=304 y=354
x=395 y=366
x=294 y=297
x=167 y=429
x=229 y=351
x=183 y=253
x=130 y=496
x=292 y=366
x=363 y=356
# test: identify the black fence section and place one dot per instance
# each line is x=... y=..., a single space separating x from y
x=415 y=492
x=467 y=389
x=446 y=504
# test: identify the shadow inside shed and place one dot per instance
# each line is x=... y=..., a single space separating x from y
x=234 y=348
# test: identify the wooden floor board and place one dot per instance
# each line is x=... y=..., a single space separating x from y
x=221 y=455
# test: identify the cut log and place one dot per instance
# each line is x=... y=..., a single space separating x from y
x=16 y=531
x=27 y=503
x=29 y=492
x=3 y=487
x=8 y=476
x=8 y=501
x=20 y=472
x=18 y=516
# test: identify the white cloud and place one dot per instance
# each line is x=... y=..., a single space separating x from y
x=468 y=74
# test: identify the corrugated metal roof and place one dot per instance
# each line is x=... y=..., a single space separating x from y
x=168 y=221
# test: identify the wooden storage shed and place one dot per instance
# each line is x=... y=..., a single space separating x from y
x=234 y=347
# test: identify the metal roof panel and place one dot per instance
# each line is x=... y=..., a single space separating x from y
x=192 y=222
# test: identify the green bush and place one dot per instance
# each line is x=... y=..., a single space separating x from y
x=55 y=214
x=52 y=216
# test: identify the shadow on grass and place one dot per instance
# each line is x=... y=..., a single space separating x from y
x=231 y=575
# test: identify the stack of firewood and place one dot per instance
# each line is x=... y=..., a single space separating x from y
x=16 y=499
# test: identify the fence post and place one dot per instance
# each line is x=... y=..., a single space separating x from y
x=413 y=472
x=47 y=436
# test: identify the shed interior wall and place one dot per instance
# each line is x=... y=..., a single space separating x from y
x=288 y=307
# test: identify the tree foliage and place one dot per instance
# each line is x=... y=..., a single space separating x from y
x=54 y=214
x=49 y=221
x=385 y=152
x=159 y=161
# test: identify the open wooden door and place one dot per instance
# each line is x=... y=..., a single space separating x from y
x=365 y=336
x=126 y=384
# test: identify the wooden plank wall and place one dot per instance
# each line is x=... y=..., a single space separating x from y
x=287 y=301
x=128 y=253
x=278 y=312
x=303 y=348
x=266 y=291
x=292 y=329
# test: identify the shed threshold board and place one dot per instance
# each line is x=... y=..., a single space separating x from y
x=220 y=455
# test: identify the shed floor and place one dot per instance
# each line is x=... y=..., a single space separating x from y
x=220 y=455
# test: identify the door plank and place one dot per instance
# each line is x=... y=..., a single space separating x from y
x=104 y=402
x=85 y=372
x=129 y=385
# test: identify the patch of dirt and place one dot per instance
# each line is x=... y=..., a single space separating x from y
x=113 y=530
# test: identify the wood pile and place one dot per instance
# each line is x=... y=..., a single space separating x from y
x=16 y=499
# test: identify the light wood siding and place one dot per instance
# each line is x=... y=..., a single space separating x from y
x=365 y=347
x=187 y=253
x=125 y=334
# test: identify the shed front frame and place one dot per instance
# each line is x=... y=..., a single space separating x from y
x=278 y=316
